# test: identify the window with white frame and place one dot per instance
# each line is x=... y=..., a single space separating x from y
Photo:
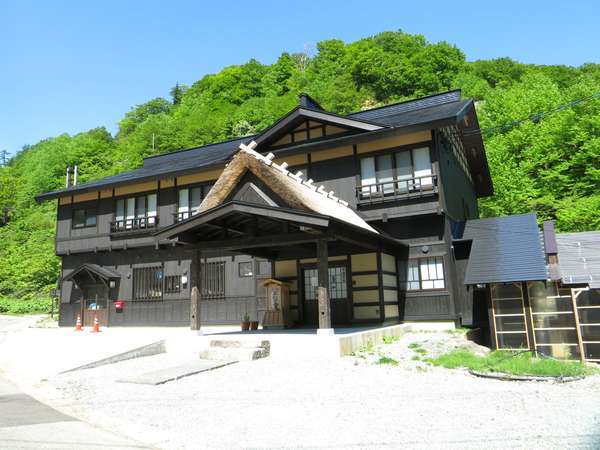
x=425 y=273
x=396 y=172
x=136 y=212
x=189 y=200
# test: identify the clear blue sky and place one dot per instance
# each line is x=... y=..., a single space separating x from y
x=68 y=66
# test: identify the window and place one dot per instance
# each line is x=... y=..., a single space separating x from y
x=212 y=280
x=136 y=213
x=425 y=273
x=396 y=172
x=148 y=283
x=338 y=287
x=264 y=268
x=172 y=284
x=189 y=200
x=84 y=218
x=245 y=269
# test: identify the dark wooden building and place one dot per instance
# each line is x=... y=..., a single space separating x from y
x=367 y=204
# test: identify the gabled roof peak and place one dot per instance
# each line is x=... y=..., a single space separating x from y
x=306 y=101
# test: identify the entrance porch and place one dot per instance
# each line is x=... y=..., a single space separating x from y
x=338 y=274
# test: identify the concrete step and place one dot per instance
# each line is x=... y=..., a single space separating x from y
x=239 y=350
x=162 y=376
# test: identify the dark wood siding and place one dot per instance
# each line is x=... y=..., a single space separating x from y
x=459 y=200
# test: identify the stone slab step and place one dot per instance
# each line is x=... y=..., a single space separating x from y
x=162 y=376
x=235 y=353
x=245 y=343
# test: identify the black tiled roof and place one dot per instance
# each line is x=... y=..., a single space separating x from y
x=165 y=164
x=395 y=118
x=439 y=107
x=409 y=105
x=505 y=249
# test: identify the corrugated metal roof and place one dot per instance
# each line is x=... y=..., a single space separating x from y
x=505 y=249
x=579 y=258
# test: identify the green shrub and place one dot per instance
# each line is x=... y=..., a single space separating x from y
x=25 y=306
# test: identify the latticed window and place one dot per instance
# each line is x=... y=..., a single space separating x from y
x=212 y=280
x=338 y=287
x=148 y=283
x=424 y=273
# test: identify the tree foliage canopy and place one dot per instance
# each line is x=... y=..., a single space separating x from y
x=551 y=167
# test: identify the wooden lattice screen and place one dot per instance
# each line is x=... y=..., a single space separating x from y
x=554 y=327
x=587 y=303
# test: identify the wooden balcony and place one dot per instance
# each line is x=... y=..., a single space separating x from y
x=138 y=224
x=394 y=190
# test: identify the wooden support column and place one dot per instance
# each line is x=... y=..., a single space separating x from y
x=195 y=280
x=323 y=288
x=528 y=318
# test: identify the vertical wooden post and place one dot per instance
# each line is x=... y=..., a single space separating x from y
x=491 y=317
x=323 y=285
x=574 y=294
x=195 y=280
x=380 y=287
x=528 y=318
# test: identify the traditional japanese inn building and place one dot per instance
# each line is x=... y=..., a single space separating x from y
x=379 y=207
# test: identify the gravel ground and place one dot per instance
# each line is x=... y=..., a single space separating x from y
x=349 y=403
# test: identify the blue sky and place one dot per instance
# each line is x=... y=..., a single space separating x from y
x=68 y=66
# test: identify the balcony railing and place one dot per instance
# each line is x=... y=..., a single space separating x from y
x=180 y=216
x=137 y=224
x=397 y=189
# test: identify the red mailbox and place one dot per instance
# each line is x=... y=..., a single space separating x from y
x=119 y=304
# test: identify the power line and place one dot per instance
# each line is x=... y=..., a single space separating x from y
x=533 y=117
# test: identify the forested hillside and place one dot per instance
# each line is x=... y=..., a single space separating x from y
x=551 y=166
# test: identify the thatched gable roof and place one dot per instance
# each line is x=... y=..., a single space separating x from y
x=297 y=192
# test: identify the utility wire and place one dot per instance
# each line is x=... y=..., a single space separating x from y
x=533 y=117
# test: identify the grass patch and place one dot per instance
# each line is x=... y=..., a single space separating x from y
x=523 y=363
x=387 y=360
x=25 y=306
x=417 y=348
x=460 y=330
x=390 y=339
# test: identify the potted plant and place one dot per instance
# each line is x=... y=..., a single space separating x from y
x=246 y=322
x=254 y=324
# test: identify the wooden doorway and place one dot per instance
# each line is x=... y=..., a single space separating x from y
x=338 y=293
x=95 y=304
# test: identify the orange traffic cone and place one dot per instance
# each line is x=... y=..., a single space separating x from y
x=78 y=326
x=96 y=327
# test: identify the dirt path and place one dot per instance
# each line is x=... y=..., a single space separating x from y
x=348 y=403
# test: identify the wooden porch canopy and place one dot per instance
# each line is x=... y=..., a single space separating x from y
x=91 y=274
x=275 y=233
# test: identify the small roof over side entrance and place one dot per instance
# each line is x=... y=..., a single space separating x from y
x=91 y=274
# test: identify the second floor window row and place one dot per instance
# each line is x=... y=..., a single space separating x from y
x=189 y=200
x=136 y=213
x=399 y=172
